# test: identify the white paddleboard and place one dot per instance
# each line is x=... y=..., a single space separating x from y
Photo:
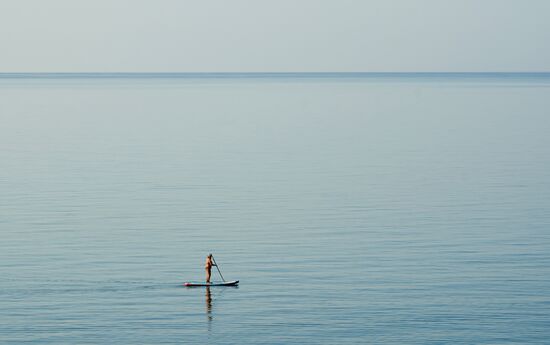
x=230 y=283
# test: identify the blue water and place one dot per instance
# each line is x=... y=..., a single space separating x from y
x=354 y=209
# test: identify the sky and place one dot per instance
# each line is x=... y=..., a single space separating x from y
x=274 y=35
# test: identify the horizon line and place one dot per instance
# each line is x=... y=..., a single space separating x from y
x=106 y=75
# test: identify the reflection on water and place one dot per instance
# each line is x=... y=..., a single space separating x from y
x=208 y=305
x=208 y=300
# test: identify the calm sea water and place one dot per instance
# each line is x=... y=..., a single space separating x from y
x=375 y=209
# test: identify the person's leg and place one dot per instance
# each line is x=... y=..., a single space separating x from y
x=208 y=273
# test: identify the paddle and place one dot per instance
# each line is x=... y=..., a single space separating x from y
x=215 y=263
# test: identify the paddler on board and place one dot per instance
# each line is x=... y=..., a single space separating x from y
x=208 y=267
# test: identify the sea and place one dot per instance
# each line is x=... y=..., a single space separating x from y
x=354 y=208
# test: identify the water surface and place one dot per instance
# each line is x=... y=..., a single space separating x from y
x=366 y=209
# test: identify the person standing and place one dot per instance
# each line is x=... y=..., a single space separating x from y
x=208 y=267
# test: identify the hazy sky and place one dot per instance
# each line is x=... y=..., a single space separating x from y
x=274 y=35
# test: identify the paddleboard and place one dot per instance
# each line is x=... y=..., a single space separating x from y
x=231 y=283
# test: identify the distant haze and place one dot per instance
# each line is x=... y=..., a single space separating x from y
x=274 y=36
